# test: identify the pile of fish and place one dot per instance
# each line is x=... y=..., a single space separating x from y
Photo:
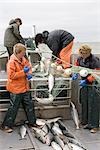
x=54 y=133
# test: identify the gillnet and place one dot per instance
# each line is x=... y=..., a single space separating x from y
x=47 y=67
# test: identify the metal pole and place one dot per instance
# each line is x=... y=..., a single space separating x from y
x=34 y=27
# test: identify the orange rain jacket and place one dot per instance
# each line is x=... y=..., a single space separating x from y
x=17 y=82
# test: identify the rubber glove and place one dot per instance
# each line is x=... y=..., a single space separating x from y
x=90 y=78
x=83 y=83
x=75 y=76
x=26 y=69
x=29 y=76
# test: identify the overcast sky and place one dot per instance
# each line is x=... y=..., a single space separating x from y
x=80 y=17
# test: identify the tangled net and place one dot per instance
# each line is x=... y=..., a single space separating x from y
x=43 y=94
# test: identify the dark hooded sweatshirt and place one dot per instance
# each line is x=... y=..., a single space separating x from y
x=12 y=34
x=58 y=39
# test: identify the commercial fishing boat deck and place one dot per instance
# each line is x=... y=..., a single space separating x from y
x=12 y=141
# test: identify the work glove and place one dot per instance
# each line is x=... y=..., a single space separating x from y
x=26 y=69
x=90 y=79
x=75 y=76
x=83 y=83
x=29 y=76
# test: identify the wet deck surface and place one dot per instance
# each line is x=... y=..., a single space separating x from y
x=12 y=141
x=89 y=140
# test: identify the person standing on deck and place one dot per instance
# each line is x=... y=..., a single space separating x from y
x=19 y=73
x=60 y=42
x=12 y=35
x=89 y=92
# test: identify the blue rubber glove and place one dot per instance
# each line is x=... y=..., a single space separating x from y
x=29 y=76
x=75 y=76
x=26 y=69
x=83 y=83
